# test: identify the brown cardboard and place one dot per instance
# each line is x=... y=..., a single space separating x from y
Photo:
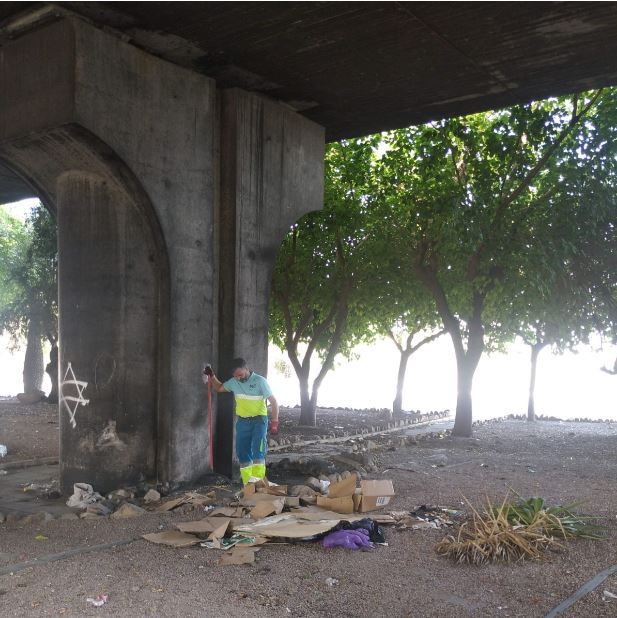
x=216 y=526
x=173 y=538
x=346 y=487
x=375 y=495
x=265 y=508
x=344 y=504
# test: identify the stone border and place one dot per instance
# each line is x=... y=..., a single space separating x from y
x=391 y=427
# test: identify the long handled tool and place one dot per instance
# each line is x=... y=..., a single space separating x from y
x=208 y=372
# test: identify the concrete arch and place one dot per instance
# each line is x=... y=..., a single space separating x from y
x=114 y=307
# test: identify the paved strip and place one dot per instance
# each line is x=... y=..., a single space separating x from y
x=29 y=463
x=592 y=584
x=69 y=553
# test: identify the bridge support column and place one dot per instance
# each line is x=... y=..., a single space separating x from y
x=271 y=175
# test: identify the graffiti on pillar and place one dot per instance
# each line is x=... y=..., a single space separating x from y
x=72 y=399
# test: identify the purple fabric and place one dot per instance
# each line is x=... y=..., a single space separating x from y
x=349 y=539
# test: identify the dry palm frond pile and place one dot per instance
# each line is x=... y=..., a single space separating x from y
x=514 y=531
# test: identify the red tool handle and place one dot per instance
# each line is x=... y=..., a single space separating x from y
x=210 y=422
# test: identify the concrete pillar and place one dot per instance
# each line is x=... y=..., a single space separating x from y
x=172 y=205
x=109 y=318
x=271 y=175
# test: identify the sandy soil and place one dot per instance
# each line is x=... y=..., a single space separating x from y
x=563 y=462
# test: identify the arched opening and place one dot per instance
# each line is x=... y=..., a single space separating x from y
x=113 y=289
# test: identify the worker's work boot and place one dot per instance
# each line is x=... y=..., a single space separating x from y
x=258 y=471
x=246 y=473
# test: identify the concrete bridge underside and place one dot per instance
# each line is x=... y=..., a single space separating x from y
x=173 y=184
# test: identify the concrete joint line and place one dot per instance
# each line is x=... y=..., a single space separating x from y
x=29 y=463
x=69 y=553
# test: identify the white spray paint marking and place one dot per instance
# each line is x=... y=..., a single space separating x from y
x=72 y=400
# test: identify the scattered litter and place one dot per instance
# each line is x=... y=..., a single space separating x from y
x=83 y=495
x=235 y=539
x=607 y=595
x=41 y=537
x=3 y=450
x=3 y=472
x=98 y=601
x=330 y=581
x=190 y=497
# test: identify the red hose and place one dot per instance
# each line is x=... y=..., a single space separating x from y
x=210 y=422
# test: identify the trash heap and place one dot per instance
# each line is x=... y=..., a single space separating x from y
x=341 y=510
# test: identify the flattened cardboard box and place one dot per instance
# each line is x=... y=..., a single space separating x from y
x=373 y=495
x=343 y=504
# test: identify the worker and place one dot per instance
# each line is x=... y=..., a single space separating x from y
x=250 y=393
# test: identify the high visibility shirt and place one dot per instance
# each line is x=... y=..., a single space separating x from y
x=250 y=396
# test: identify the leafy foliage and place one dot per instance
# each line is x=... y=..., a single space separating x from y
x=513 y=531
x=28 y=271
x=320 y=296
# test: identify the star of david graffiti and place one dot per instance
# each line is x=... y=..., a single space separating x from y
x=72 y=401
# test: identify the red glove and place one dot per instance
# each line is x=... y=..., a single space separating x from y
x=274 y=427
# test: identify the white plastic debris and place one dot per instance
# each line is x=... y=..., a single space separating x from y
x=3 y=450
x=98 y=601
x=83 y=495
x=331 y=581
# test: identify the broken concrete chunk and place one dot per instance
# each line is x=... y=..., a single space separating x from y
x=128 y=510
x=313 y=483
x=152 y=496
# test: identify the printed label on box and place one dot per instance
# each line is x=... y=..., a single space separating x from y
x=383 y=500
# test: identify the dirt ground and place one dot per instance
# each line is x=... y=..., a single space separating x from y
x=562 y=462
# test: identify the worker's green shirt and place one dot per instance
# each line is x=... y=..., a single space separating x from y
x=250 y=396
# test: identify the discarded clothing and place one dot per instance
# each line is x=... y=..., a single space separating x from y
x=375 y=532
x=349 y=539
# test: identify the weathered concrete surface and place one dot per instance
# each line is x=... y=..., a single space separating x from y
x=125 y=148
x=271 y=175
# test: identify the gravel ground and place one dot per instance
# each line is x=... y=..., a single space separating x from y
x=563 y=462
x=28 y=431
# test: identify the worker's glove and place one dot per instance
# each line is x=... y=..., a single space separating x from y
x=208 y=371
x=274 y=427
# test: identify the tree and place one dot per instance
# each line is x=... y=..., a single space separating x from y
x=464 y=197
x=402 y=312
x=28 y=267
x=322 y=275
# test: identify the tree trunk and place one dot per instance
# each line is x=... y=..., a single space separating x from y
x=531 y=405
x=52 y=370
x=308 y=408
x=33 y=362
x=397 y=404
x=464 y=407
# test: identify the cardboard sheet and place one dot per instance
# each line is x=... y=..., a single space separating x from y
x=173 y=538
x=263 y=509
x=287 y=525
x=216 y=527
x=343 y=488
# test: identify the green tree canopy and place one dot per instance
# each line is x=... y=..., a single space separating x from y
x=28 y=287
